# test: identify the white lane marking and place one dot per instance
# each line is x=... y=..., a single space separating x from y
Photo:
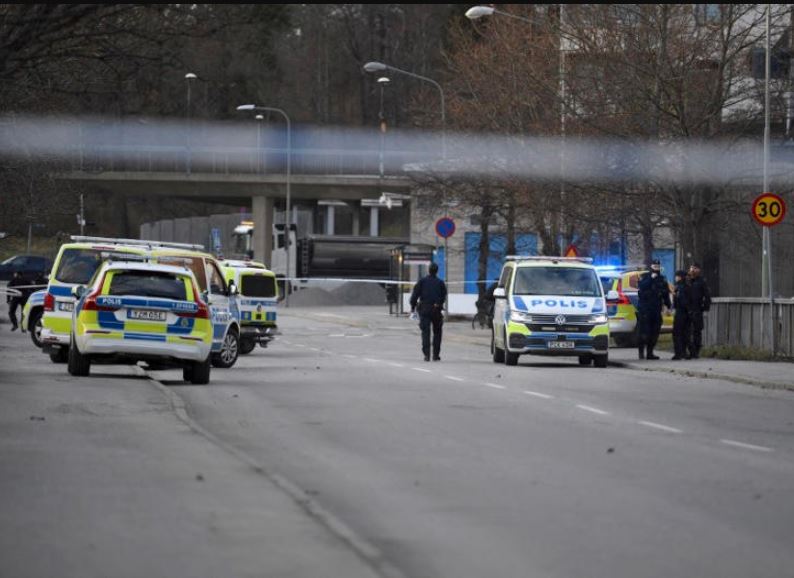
x=372 y=360
x=659 y=426
x=453 y=378
x=495 y=386
x=540 y=395
x=299 y=345
x=420 y=369
x=348 y=356
x=747 y=446
x=593 y=409
x=337 y=335
x=395 y=364
x=330 y=315
x=315 y=349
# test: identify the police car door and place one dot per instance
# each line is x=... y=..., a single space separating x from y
x=221 y=304
x=502 y=305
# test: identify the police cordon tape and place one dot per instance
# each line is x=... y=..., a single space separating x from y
x=379 y=281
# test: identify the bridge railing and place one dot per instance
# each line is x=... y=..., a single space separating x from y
x=238 y=160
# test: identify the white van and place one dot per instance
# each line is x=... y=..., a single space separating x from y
x=550 y=306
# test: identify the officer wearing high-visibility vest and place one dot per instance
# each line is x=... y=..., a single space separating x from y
x=429 y=295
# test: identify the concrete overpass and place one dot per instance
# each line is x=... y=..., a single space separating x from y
x=241 y=176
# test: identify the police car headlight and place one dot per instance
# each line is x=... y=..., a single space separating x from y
x=600 y=318
x=520 y=317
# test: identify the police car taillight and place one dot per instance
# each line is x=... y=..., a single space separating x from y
x=49 y=302
x=90 y=303
x=202 y=311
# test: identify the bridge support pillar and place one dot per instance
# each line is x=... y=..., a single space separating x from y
x=262 y=212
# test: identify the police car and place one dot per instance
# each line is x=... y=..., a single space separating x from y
x=219 y=295
x=137 y=311
x=621 y=284
x=550 y=306
x=32 y=314
x=258 y=300
x=76 y=264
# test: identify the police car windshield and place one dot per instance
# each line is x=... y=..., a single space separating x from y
x=257 y=286
x=148 y=284
x=558 y=281
x=78 y=266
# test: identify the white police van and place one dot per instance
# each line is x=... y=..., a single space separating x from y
x=550 y=306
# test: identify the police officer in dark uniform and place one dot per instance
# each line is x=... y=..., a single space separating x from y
x=653 y=292
x=15 y=301
x=699 y=302
x=681 y=299
x=428 y=296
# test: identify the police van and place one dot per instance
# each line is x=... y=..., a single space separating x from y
x=551 y=306
x=258 y=301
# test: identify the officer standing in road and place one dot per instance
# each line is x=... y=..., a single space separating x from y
x=428 y=296
x=15 y=301
x=653 y=292
x=681 y=319
x=699 y=303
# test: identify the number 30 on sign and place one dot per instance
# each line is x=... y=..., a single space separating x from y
x=769 y=209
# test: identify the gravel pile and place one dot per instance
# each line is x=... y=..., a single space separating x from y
x=313 y=297
x=361 y=294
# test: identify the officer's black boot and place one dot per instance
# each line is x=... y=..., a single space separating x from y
x=642 y=351
x=650 y=354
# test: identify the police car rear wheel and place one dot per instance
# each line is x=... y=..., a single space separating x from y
x=498 y=354
x=78 y=364
x=60 y=355
x=198 y=373
x=230 y=349
x=35 y=326
x=247 y=345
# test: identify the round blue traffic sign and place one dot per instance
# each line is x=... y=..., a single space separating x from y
x=445 y=227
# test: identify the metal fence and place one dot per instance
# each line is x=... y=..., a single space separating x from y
x=749 y=322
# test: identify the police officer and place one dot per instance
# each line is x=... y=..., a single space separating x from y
x=699 y=302
x=681 y=299
x=429 y=295
x=653 y=292
x=15 y=301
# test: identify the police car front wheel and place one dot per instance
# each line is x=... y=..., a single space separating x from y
x=498 y=354
x=78 y=364
x=230 y=349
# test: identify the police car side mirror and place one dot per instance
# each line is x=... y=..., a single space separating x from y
x=78 y=291
x=233 y=289
x=205 y=296
x=499 y=293
x=613 y=295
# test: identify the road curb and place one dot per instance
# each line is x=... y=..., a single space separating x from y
x=366 y=552
x=707 y=375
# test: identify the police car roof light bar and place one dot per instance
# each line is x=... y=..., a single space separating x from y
x=139 y=242
x=547 y=258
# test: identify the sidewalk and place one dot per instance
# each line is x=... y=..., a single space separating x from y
x=772 y=375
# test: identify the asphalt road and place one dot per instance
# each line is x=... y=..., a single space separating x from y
x=459 y=468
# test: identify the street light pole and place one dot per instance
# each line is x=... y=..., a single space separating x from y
x=188 y=77
x=372 y=67
x=382 y=81
x=288 y=215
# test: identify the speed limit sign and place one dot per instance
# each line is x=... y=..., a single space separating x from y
x=769 y=209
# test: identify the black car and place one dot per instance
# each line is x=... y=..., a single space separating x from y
x=31 y=266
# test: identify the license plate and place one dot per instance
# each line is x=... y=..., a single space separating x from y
x=146 y=315
x=64 y=306
x=561 y=345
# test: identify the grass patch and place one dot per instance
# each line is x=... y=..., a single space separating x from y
x=45 y=246
x=738 y=352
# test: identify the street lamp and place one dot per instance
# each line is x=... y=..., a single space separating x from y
x=373 y=67
x=188 y=77
x=288 y=216
x=477 y=12
x=382 y=81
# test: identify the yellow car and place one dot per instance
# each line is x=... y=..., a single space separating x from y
x=622 y=284
x=139 y=311
x=258 y=301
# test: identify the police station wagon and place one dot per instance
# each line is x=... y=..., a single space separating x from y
x=550 y=306
x=134 y=312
